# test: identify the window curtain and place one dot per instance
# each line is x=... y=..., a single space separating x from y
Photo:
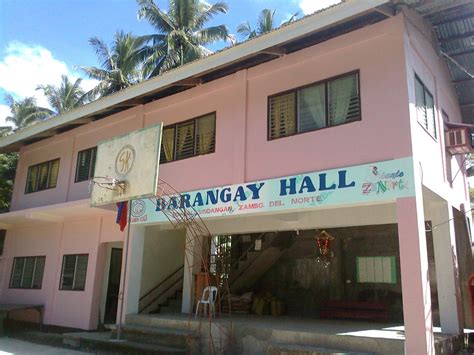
x=32 y=177
x=206 y=134
x=282 y=115
x=341 y=92
x=185 y=141
x=311 y=108
x=53 y=174
x=167 y=144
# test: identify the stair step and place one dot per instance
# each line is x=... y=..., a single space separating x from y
x=291 y=349
x=107 y=343
x=175 y=303
x=169 y=310
x=162 y=336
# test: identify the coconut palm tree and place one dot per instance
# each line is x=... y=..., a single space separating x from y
x=25 y=112
x=182 y=33
x=5 y=130
x=121 y=64
x=66 y=96
x=265 y=23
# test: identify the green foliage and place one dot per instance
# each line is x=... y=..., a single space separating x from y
x=8 y=164
x=182 y=35
x=121 y=64
x=265 y=23
x=66 y=96
x=25 y=112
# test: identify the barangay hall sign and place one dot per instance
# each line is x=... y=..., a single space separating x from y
x=381 y=181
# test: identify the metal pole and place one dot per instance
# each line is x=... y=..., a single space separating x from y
x=119 y=325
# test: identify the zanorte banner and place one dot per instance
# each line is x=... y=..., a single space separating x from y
x=380 y=181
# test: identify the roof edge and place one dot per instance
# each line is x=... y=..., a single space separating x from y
x=307 y=25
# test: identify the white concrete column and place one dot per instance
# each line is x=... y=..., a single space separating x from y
x=417 y=316
x=134 y=252
x=447 y=275
x=192 y=264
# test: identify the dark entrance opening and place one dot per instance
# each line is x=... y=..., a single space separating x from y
x=113 y=287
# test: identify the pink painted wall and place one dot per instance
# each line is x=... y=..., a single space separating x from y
x=429 y=153
x=78 y=309
x=240 y=101
x=386 y=54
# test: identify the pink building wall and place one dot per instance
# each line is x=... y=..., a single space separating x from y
x=78 y=309
x=243 y=152
x=386 y=56
x=423 y=59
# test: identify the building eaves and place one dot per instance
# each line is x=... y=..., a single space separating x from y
x=310 y=30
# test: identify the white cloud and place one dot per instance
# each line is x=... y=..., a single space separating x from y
x=310 y=6
x=24 y=67
x=4 y=113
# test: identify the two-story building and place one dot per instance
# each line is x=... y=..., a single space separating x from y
x=333 y=123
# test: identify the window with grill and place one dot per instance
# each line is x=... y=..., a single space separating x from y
x=27 y=272
x=42 y=176
x=376 y=269
x=425 y=110
x=85 y=164
x=73 y=273
x=328 y=103
x=188 y=139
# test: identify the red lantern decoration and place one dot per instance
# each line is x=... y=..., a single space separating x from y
x=324 y=253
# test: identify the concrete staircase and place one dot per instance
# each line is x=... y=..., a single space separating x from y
x=254 y=264
x=172 y=305
x=165 y=295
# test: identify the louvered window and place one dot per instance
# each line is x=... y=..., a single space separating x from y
x=188 y=139
x=73 y=273
x=85 y=164
x=425 y=110
x=42 y=176
x=27 y=272
x=328 y=103
x=283 y=115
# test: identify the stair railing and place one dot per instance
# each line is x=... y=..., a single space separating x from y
x=141 y=307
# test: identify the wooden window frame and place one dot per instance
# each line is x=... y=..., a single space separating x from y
x=15 y=260
x=61 y=287
x=434 y=134
x=91 y=163
x=326 y=102
x=38 y=166
x=194 y=120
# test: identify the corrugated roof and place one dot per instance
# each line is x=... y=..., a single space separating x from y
x=453 y=23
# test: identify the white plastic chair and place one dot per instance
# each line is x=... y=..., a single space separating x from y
x=209 y=296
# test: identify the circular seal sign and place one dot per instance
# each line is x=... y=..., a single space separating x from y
x=138 y=208
x=124 y=160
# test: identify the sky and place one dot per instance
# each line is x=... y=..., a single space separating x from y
x=40 y=40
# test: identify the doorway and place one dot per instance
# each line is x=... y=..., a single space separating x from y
x=113 y=286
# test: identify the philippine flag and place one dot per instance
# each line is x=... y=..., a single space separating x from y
x=122 y=215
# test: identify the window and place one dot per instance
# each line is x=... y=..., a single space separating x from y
x=27 y=272
x=328 y=103
x=188 y=139
x=85 y=164
x=73 y=273
x=376 y=269
x=448 y=156
x=3 y=233
x=425 y=111
x=42 y=176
